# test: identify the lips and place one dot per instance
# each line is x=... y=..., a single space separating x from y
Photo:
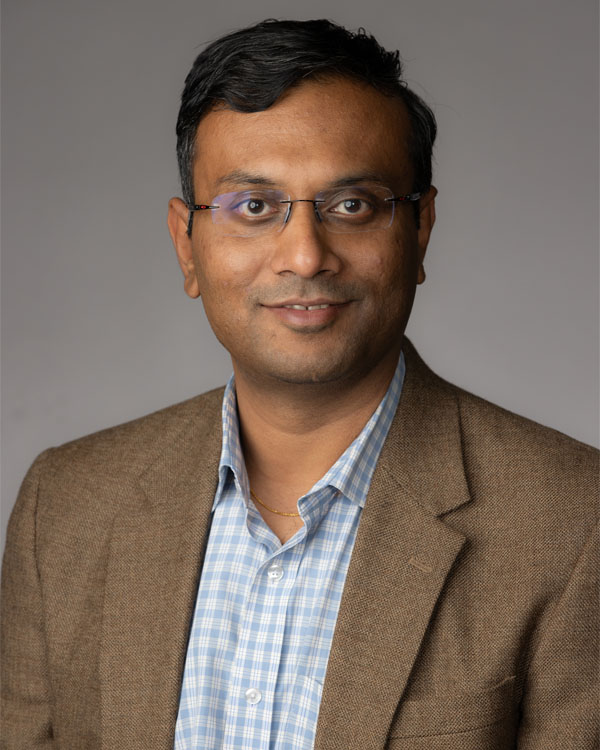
x=306 y=304
x=306 y=307
x=307 y=315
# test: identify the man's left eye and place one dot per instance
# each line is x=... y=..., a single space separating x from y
x=350 y=206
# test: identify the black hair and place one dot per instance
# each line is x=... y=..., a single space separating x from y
x=251 y=68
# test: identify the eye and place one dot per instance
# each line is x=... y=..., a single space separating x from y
x=350 y=207
x=352 y=204
x=254 y=207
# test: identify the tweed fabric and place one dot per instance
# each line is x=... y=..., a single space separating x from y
x=468 y=619
x=251 y=631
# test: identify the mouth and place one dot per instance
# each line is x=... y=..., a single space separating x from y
x=297 y=303
x=308 y=315
x=308 y=307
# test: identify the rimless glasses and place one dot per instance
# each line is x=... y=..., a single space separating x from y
x=356 y=208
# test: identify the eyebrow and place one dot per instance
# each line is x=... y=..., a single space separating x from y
x=353 y=179
x=238 y=177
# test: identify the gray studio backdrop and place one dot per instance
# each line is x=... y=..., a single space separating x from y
x=96 y=327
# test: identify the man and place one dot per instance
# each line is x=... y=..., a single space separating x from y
x=340 y=549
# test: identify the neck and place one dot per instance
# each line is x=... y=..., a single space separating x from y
x=292 y=434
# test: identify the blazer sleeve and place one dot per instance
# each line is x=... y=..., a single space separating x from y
x=25 y=694
x=560 y=699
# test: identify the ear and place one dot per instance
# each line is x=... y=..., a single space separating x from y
x=426 y=222
x=177 y=220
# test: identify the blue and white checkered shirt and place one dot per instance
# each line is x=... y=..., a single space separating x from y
x=266 y=611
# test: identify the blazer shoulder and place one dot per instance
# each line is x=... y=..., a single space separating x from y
x=534 y=471
x=142 y=435
x=101 y=471
x=494 y=425
x=487 y=426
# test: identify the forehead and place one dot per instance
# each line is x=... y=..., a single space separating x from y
x=317 y=132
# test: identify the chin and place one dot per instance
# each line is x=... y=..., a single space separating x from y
x=306 y=378
x=303 y=372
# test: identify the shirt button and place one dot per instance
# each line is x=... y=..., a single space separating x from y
x=253 y=696
x=275 y=572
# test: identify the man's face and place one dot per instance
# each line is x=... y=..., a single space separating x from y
x=317 y=135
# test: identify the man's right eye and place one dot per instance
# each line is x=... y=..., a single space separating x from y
x=255 y=207
x=249 y=208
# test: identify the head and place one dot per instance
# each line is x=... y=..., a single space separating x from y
x=250 y=69
x=299 y=109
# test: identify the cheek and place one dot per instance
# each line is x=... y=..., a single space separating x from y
x=226 y=274
x=224 y=268
x=389 y=269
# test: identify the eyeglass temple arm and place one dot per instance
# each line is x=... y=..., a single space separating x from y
x=191 y=207
x=405 y=198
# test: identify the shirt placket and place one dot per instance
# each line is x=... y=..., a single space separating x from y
x=253 y=676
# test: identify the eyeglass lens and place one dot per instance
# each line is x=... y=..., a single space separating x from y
x=357 y=208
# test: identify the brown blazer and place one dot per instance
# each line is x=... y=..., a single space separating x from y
x=467 y=620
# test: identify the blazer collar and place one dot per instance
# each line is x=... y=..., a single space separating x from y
x=423 y=452
x=423 y=444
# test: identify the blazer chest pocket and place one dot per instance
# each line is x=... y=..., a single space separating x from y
x=485 y=719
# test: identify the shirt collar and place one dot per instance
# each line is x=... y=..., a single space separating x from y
x=351 y=474
x=232 y=458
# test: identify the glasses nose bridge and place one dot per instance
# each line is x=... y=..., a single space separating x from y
x=290 y=205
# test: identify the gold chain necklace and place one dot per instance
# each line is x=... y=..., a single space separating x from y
x=279 y=512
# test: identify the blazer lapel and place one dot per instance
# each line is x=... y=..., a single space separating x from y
x=151 y=583
x=402 y=556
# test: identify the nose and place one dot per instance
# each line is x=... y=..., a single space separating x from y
x=303 y=247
